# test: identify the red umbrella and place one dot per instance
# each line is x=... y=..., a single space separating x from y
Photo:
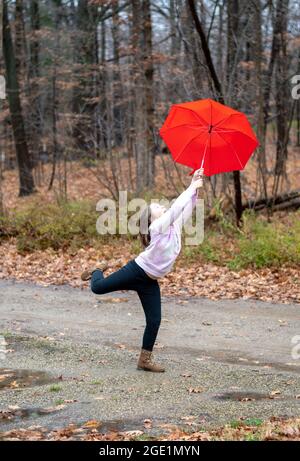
x=207 y=134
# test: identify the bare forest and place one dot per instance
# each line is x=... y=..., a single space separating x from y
x=92 y=81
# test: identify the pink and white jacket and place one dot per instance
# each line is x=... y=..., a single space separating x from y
x=159 y=256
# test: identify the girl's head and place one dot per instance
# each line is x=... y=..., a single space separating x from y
x=148 y=215
x=156 y=210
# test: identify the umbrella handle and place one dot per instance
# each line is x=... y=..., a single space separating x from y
x=195 y=169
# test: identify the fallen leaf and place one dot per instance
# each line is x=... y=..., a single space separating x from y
x=91 y=423
x=120 y=346
x=195 y=390
x=148 y=423
x=274 y=394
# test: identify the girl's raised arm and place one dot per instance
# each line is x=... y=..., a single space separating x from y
x=189 y=196
x=187 y=211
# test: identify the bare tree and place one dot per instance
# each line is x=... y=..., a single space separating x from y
x=24 y=164
x=219 y=94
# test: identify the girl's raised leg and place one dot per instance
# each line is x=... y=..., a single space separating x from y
x=123 y=279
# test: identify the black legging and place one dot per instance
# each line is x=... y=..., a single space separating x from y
x=133 y=277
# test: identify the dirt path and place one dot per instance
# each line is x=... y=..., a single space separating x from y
x=224 y=360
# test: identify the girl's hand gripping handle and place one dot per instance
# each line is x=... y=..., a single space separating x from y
x=197 y=180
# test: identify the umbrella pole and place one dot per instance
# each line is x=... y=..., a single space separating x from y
x=203 y=158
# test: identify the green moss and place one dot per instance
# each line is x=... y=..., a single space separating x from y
x=143 y=437
x=263 y=244
x=253 y=422
x=235 y=424
x=53 y=225
x=55 y=388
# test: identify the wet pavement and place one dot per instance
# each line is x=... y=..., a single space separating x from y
x=19 y=378
x=68 y=356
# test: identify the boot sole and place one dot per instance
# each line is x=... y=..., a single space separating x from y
x=148 y=369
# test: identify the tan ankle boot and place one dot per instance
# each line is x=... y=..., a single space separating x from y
x=145 y=362
x=87 y=275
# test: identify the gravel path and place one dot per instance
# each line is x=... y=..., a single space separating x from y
x=71 y=357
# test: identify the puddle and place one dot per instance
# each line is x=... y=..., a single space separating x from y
x=18 y=379
x=14 y=414
x=225 y=356
x=241 y=396
x=262 y=364
x=70 y=432
x=120 y=425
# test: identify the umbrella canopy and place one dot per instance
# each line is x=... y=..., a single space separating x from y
x=207 y=134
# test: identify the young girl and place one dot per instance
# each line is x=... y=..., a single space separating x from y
x=160 y=231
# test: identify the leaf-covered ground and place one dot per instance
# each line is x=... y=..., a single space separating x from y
x=248 y=430
x=213 y=280
x=209 y=280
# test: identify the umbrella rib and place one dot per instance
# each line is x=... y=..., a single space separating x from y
x=188 y=143
x=230 y=146
x=239 y=131
x=178 y=126
x=226 y=118
x=225 y=131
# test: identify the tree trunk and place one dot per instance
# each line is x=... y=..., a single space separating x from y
x=35 y=122
x=298 y=124
x=261 y=152
x=220 y=97
x=206 y=51
x=54 y=106
x=19 y=38
x=117 y=90
x=282 y=95
x=268 y=77
x=101 y=110
x=285 y=201
x=193 y=53
x=139 y=97
x=148 y=74
x=24 y=164
x=232 y=50
x=83 y=106
x=232 y=85
x=220 y=43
